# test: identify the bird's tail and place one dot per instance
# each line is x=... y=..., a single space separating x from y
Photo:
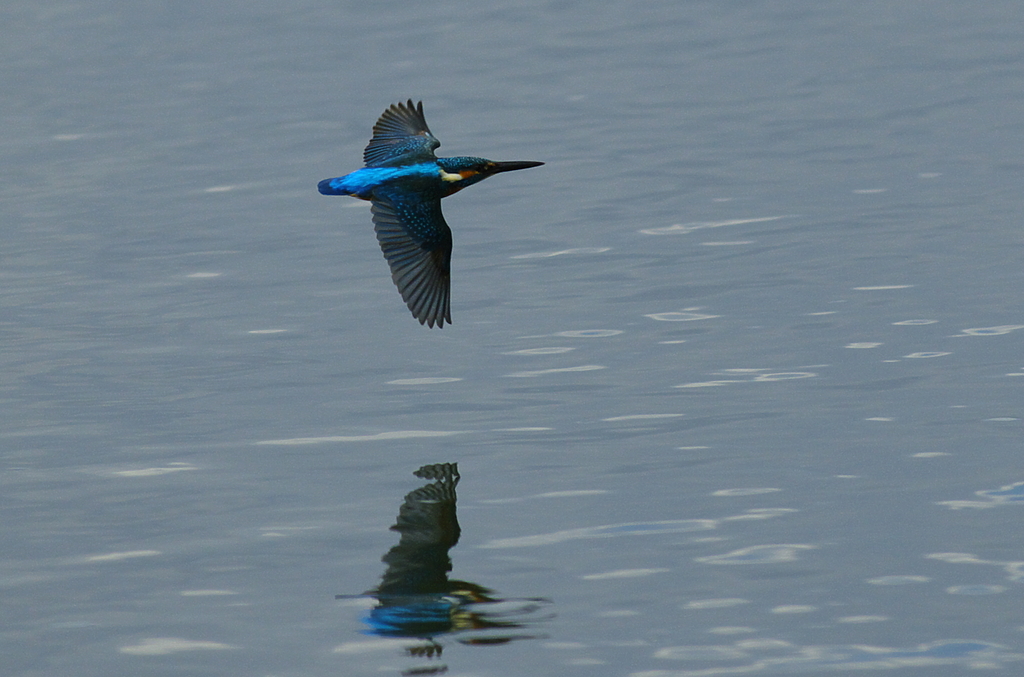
x=333 y=187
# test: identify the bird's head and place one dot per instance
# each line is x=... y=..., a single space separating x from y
x=459 y=172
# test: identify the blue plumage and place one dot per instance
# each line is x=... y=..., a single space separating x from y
x=405 y=182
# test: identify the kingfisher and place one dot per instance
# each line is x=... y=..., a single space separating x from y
x=404 y=182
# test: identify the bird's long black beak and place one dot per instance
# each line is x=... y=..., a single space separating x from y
x=515 y=164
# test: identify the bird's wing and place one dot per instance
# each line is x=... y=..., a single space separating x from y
x=400 y=136
x=417 y=244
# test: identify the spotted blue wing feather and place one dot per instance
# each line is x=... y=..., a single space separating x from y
x=401 y=136
x=417 y=244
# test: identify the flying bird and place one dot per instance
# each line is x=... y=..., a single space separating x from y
x=404 y=182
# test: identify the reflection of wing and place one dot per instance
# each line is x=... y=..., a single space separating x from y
x=419 y=564
x=401 y=136
x=445 y=472
x=417 y=244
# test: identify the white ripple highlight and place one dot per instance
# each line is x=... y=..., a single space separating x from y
x=623 y=573
x=677 y=316
x=606 y=531
x=563 y=252
x=683 y=228
x=163 y=646
x=553 y=350
x=544 y=372
x=758 y=554
x=426 y=381
x=394 y=435
x=636 y=417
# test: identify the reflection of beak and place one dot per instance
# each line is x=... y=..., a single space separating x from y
x=515 y=164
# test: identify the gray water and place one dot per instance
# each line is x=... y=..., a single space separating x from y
x=734 y=380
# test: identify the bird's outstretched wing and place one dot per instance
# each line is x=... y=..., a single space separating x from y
x=417 y=244
x=401 y=136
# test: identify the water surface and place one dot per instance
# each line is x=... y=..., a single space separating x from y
x=733 y=384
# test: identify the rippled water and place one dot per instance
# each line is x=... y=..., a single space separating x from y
x=733 y=384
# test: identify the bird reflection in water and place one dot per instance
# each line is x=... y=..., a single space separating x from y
x=417 y=600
